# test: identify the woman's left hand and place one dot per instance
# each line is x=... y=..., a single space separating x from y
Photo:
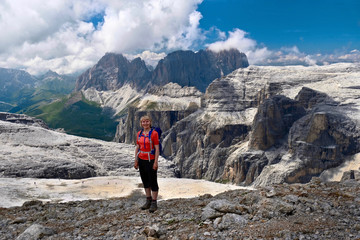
x=155 y=167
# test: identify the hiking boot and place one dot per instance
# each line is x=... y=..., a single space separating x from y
x=153 y=206
x=146 y=205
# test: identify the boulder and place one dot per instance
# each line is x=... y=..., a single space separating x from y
x=34 y=232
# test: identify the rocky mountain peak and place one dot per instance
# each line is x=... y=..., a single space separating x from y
x=112 y=72
x=198 y=69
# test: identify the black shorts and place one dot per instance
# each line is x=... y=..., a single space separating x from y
x=148 y=174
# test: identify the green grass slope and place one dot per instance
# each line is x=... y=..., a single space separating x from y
x=77 y=116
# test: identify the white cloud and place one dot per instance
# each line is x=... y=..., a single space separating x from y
x=293 y=56
x=237 y=39
x=288 y=56
x=39 y=35
x=57 y=34
x=150 y=25
x=150 y=58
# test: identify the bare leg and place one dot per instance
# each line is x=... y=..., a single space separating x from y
x=148 y=192
x=154 y=195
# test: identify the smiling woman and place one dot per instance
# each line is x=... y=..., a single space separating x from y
x=146 y=159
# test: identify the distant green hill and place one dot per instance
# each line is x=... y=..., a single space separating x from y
x=77 y=116
x=22 y=98
x=50 y=98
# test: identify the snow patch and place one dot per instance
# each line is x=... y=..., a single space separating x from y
x=18 y=190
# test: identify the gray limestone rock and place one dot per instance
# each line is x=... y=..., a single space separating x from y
x=273 y=120
x=35 y=232
x=308 y=98
x=174 y=90
x=244 y=168
x=114 y=71
x=321 y=140
x=22 y=119
x=199 y=69
x=30 y=151
x=231 y=219
x=351 y=175
x=185 y=68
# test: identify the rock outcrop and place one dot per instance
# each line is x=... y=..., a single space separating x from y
x=273 y=120
x=23 y=119
x=198 y=149
x=351 y=175
x=321 y=140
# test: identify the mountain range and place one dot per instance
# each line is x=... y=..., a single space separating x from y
x=22 y=92
x=255 y=125
x=260 y=125
x=108 y=88
x=186 y=68
x=267 y=127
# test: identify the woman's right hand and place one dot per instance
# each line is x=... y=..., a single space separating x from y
x=136 y=164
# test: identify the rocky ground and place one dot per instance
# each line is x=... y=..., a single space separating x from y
x=316 y=210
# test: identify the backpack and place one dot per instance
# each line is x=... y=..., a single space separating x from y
x=159 y=131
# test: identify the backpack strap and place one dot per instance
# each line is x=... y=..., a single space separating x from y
x=152 y=151
x=141 y=133
x=151 y=145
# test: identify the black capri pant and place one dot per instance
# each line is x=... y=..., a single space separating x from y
x=148 y=174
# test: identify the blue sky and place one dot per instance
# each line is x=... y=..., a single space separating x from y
x=69 y=36
x=312 y=25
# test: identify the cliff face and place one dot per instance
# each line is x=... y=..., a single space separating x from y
x=197 y=69
x=112 y=72
x=166 y=105
x=260 y=126
x=127 y=130
x=185 y=68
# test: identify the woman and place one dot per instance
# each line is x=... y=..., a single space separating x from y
x=146 y=159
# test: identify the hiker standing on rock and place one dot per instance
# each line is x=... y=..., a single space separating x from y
x=146 y=159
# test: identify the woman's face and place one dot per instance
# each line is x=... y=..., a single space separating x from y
x=146 y=123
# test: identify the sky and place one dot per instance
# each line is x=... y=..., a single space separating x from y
x=70 y=36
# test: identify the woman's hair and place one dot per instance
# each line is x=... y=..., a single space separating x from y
x=145 y=118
